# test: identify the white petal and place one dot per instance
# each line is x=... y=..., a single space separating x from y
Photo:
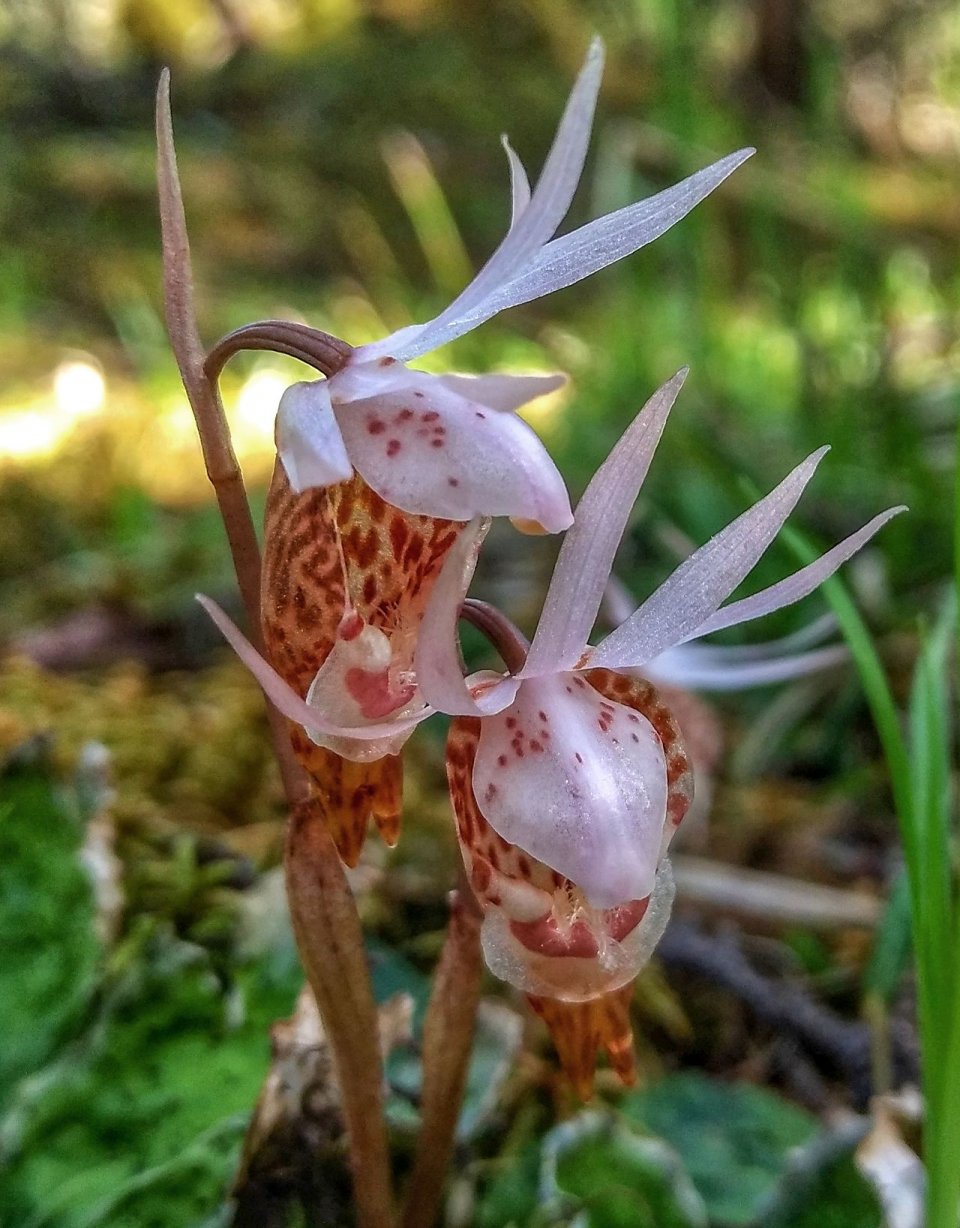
x=799 y=585
x=608 y=239
x=579 y=783
x=693 y=668
x=586 y=557
x=687 y=599
x=545 y=211
x=503 y=392
x=519 y=183
x=439 y=666
x=289 y=703
x=309 y=442
x=431 y=452
x=813 y=633
x=594 y=246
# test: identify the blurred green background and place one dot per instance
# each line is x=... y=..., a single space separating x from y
x=341 y=165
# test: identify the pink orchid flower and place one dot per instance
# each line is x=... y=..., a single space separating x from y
x=452 y=446
x=564 y=773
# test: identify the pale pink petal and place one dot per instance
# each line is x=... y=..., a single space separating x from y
x=799 y=585
x=583 y=566
x=546 y=209
x=619 y=603
x=309 y=442
x=503 y=392
x=695 y=667
x=431 y=452
x=401 y=341
x=594 y=246
x=693 y=593
x=519 y=183
x=579 y=783
x=438 y=663
x=288 y=702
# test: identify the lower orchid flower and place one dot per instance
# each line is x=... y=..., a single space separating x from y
x=568 y=776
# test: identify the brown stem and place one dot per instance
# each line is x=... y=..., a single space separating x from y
x=218 y=455
x=447 y=1043
x=329 y=939
x=503 y=635
x=324 y=914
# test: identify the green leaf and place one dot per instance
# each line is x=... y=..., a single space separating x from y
x=606 y=1173
x=734 y=1139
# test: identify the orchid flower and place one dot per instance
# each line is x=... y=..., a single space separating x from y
x=607 y=813
x=452 y=446
x=344 y=584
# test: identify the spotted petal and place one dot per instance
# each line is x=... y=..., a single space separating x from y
x=579 y=782
x=430 y=451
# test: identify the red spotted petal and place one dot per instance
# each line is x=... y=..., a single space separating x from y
x=429 y=450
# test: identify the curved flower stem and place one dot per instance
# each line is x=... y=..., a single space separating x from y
x=325 y=920
x=320 y=350
x=508 y=640
x=447 y=1043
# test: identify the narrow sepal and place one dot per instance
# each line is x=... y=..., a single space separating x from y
x=586 y=556
x=696 y=589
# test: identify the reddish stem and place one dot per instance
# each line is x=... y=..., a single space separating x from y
x=447 y=1043
x=508 y=640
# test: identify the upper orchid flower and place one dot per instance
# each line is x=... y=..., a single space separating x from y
x=591 y=799
x=451 y=446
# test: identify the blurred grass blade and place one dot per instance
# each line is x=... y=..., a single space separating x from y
x=929 y=725
x=891 y=950
x=876 y=688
